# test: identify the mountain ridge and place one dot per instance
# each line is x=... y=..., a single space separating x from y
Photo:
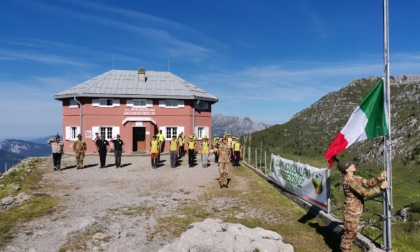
x=235 y=126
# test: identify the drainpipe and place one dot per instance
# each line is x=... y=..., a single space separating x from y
x=81 y=115
x=194 y=105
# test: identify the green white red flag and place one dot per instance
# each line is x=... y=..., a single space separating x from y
x=368 y=120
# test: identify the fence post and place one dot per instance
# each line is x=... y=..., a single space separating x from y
x=260 y=154
x=265 y=162
x=256 y=158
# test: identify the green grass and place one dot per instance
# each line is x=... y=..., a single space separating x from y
x=37 y=206
x=259 y=204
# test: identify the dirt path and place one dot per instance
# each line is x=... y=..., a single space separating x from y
x=119 y=216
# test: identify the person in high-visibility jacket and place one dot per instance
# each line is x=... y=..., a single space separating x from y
x=180 y=139
x=216 y=148
x=154 y=151
x=161 y=140
x=237 y=148
x=229 y=143
x=191 y=151
x=205 y=147
x=173 y=151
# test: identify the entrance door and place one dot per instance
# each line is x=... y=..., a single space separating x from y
x=139 y=138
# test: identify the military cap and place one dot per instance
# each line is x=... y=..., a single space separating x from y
x=343 y=165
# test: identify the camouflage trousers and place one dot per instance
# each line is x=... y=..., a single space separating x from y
x=351 y=226
x=79 y=160
x=223 y=171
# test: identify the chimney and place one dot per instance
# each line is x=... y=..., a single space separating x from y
x=142 y=74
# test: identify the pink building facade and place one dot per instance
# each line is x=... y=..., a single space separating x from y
x=136 y=105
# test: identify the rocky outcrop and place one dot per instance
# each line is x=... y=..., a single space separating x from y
x=215 y=235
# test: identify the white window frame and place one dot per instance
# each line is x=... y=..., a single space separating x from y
x=200 y=131
x=139 y=103
x=110 y=132
x=171 y=103
x=72 y=132
x=170 y=131
x=178 y=129
x=132 y=103
x=106 y=102
x=73 y=104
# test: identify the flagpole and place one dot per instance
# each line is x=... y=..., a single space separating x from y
x=387 y=203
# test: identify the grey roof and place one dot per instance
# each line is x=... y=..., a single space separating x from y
x=126 y=84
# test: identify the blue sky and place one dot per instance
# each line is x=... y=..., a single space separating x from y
x=266 y=60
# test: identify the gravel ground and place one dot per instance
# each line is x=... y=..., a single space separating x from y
x=118 y=208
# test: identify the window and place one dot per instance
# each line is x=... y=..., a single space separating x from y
x=171 y=103
x=110 y=132
x=72 y=132
x=139 y=103
x=171 y=131
x=201 y=131
x=202 y=105
x=73 y=104
x=105 y=102
x=107 y=131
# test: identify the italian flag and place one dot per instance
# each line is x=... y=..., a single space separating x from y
x=368 y=120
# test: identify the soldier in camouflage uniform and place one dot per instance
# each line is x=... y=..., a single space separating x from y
x=79 y=147
x=224 y=160
x=355 y=189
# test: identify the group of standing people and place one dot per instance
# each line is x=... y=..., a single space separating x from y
x=226 y=150
x=103 y=146
x=234 y=145
x=80 y=147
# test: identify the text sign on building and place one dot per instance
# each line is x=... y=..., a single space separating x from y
x=140 y=111
x=303 y=180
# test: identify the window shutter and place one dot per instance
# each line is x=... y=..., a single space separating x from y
x=68 y=132
x=95 y=102
x=179 y=130
x=95 y=129
x=115 y=102
x=206 y=132
x=161 y=103
x=78 y=131
x=115 y=131
x=163 y=129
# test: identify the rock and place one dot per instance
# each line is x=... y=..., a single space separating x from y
x=7 y=201
x=99 y=237
x=16 y=187
x=22 y=197
x=214 y=235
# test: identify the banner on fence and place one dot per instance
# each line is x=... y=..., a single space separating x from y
x=303 y=180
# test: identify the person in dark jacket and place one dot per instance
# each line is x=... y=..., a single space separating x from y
x=118 y=150
x=102 y=146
